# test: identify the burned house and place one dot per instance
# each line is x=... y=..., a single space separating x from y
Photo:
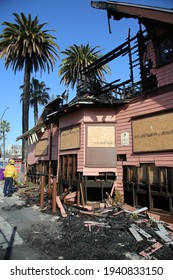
x=118 y=135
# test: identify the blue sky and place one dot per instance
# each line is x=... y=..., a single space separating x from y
x=75 y=22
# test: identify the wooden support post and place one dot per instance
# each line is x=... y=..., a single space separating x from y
x=150 y=198
x=102 y=195
x=42 y=191
x=85 y=186
x=133 y=194
x=82 y=194
x=170 y=204
x=137 y=185
x=50 y=157
x=78 y=190
x=54 y=195
x=78 y=195
x=65 y=190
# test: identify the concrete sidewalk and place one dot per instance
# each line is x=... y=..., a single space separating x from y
x=13 y=222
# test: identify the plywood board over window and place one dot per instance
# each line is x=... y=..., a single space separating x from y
x=100 y=145
x=41 y=148
x=70 y=138
x=153 y=133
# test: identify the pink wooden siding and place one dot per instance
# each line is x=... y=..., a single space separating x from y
x=31 y=154
x=55 y=143
x=164 y=74
x=82 y=117
x=81 y=152
x=118 y=183
x=138 y=107
x=32 y=159
x=71 y=119
x=101 y=115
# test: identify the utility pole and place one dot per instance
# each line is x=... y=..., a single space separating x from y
x=4 y=113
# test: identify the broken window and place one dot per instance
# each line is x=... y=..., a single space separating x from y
x=165 y=49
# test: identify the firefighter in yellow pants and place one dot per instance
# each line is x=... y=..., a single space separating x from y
x=10 y=174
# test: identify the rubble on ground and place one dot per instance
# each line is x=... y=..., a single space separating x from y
x=92 y=232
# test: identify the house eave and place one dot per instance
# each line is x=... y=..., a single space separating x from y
x=35 y=129
x=121 y=10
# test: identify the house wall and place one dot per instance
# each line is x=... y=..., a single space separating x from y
x=67 y=121
x=96 y=116
x=84 y=117
x=141 y=106
x=54 y=142
x=32 y=158
x=164 y=73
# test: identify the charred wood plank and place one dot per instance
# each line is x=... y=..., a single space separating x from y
x=136 y=235
x=62 y=210
x=151 y=249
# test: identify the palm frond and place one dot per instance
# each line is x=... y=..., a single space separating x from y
x=76 y=60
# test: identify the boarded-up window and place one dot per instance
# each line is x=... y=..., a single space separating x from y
x=100 y=145
x=70 y=138
x=154 y=133
x=41 y=148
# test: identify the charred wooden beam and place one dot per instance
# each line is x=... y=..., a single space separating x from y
x=120 y=50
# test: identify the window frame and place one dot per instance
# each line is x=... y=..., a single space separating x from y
x=159 y=61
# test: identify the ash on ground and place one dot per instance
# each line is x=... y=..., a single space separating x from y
x=85 y=237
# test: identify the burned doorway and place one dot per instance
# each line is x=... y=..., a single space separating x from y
x=68 y=176
x=97 y=187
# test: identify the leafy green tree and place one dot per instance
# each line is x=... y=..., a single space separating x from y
x=76 y=61
x=38 y=96
x=4 y=128
x=26 y=46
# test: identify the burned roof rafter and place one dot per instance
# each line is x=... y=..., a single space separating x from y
x=120 y=50
x=133 y=47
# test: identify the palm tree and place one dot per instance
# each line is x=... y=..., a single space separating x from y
x=76 y=61
x=25 y=45
x=38 y=95
x=4 y=127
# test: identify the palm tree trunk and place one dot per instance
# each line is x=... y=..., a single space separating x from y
x=25 y=111
x=35 y=111
x=3 y=137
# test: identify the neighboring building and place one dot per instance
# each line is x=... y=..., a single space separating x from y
x=121 y=134
x=15 y=152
